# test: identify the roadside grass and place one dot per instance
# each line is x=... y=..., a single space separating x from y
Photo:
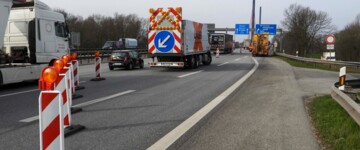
x=336 y=129
x=327 y=67
x=316 y=56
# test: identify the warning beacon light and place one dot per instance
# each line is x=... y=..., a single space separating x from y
x=74 y=56
x=59 y=64
x=48 y=77
x=97 y=54
x=65 y=59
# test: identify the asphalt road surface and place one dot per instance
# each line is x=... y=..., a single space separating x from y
x=267 y=112
x=129 y=110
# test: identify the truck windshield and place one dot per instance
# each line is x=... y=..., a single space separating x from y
x=217 y=40
x=108 y=44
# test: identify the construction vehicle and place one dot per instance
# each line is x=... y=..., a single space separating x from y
x=260 y=45
x=177 y=43
x=224 y=42
x=34 y=35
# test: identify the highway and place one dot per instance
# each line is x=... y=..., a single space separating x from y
x=129 y=110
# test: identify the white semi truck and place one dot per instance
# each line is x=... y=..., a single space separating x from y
x=177 y=43
x=33 y=36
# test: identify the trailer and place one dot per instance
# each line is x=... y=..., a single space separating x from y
x=121 y=44
x=177 y=43
x=34 y=35
x=224 y=42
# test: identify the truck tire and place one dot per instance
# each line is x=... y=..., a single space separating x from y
x=196 y=64
x=191 y=62
x=208 y=60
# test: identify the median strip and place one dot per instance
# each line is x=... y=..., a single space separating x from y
x=34 y=118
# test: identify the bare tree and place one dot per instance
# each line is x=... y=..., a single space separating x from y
x=97 y=29
x=306 y=28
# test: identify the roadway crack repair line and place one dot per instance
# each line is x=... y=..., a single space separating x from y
x=28 y=91
x=189 y=74
x=223 y=64
x=34 y=118
x=170 y=138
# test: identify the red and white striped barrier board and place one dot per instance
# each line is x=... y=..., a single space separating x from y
x=98 y=67
x=342 y=76
x=51 y=124
x=76 y=74
x=60 y=85
x=70 y=79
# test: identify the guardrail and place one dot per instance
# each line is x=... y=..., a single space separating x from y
x=345 y=101
x=104 y=53
x=355 y=65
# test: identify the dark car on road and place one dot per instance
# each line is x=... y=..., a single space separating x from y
x=125 y=59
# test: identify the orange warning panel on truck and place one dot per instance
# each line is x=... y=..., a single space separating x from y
x=170 y=22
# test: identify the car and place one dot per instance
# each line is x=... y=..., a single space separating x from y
x=127 y=59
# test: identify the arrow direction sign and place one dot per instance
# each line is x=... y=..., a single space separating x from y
x=242 y=29
x=165 y=41
x=266 y=28
x=161 y=44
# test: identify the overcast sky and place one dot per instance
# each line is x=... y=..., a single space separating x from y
x=224 y=13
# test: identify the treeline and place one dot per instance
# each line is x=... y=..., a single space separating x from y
x=305 y=30
x=347 y=46
x=95 y=30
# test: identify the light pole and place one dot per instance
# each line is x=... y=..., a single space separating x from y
x=253 y=20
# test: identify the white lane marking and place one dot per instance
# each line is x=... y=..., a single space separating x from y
x=103 y=99
x=223 y=64
x=238 y=59
x=28 y=91
x=189 y=74
x=10 y=94
x=166 y=141
x=31 y=119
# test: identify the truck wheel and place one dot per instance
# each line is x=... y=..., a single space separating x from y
x=208 y=60
x=196 y=63
x=191 y=62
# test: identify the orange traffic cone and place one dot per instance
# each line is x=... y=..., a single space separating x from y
x=217 y=53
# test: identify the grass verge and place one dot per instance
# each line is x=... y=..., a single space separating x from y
x=301 y=64
x=335 y=128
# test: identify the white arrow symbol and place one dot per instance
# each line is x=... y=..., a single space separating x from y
x=161 y=44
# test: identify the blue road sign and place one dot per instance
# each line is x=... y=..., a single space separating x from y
x=268 y=28
x=164 y=41
x=242 y=29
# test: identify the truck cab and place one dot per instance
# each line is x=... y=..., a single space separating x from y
x=35 y=34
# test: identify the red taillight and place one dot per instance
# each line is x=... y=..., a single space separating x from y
x=126 y=59
x=111 y=58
